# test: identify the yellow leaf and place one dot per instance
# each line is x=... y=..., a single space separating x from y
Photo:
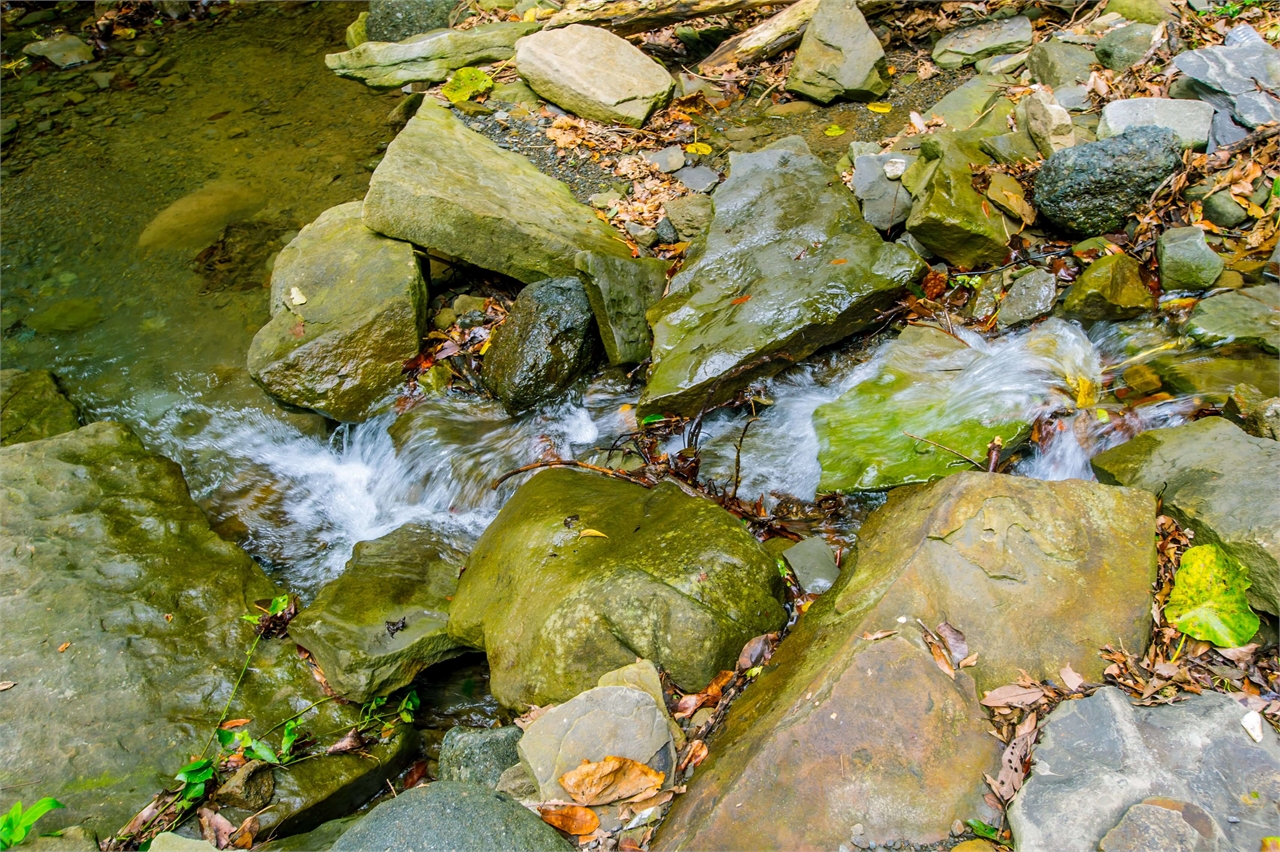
x=484 y=347
x=1103 y=416
x=880 y=107
x=1255 y=211
x=1086 y=393
x=700 y=148
x=592 y=534
x=530 y=15
x=833 y=130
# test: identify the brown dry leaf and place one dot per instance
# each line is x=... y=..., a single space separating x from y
x=7 y=684
x=1243 y=654
x=940 y=654
x=248 y=830
x=969 y=661
x=1012 y=695
x=609 y=780
x=215 y=828
x=234 y=723
x=954 y=640
x=571 y=819
x=757 y=651
x=64 y=646
x=695 y=755
x=879 y=634
x=351 y=742
x=688 y=705
x=531 y=715
x=141 y=818
x=1013 y=762
x=1070 y=678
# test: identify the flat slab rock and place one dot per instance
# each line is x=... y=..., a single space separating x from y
x=429 y=57
x=966 y=46
x=1190 y=120
x=1101 y=756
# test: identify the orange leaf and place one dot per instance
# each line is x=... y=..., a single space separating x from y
x=879 y=634
x=571 y=819
x=839 y=261
x=234 y=723
x=64 y=646
x=741 y=299
x=609 y=780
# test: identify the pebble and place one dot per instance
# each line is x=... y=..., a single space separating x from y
x=667 y=160
x=698 y=178
x=957 y=828
x=857 y=830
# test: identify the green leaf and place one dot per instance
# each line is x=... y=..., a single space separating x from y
x=260 y=750
x=981 y=829
x=225 y=738
x=278 y=604
x=651 y=419
x=466 y=84
x=833 y=130
x=289 y=737
x=1208 y=600
x=39 y=809
x=195 y=772
x=252 y=619
x=408 y=704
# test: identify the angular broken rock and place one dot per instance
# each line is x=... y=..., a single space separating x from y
x=839 y=56
x=620 y=291
x=885 y=201
x=1241 y=79
x=1048 y=123
x=429 y=57
x=991 y=38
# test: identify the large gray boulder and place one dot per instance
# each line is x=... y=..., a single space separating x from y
x=34 y=407
x=1100 y=757
x=124 y=637
x=446 y=187
x=1217 y=481
x=839 y=56
x=429 y=57
x=788 y=266
x=348 y=308
x=593 y=73
x=580 y=574
x=547 y=341
x=1240 y=78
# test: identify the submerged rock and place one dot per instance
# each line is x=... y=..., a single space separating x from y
x=1217 y=481
x=990 y=38
x=429 y=57
x=63 y=50
x=446 y=187
x=348 y=308
x=674 y=579
x=1236 y=317
x=1101 y=761
x=593 y=73
x=788 y=266
x=621 y=290
x=546 y=343
x=837 y=728
x=839 y=56
x=1110 y=288
x=34 y=407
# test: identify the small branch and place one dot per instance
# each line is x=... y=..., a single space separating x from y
x=976 y=464
x=568 y=463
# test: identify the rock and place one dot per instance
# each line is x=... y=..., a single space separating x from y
x=1143 y=11
x=1125 y=46
x=1048 y=123
x=447 y=187
x=1236 y=317
x=1057 y=64
x=167 y=841
x=813 y=563
x=1225 y=77
x=964 y=106
x=643 y=235
x=430 y=57
x=518 y=783
x=249 y=788
x=1109 y=289
x=1031 y=297
x=198 y=218
x=1216 y=480
x=1190 y=120
x=666 y=231
x=405 y=580
x=690 y=215
x=1004 y=63
x=546 y=342
x=668 y=159
x=990 y=38
x=1091 y=189
x=949 y=216
x=1009 y=148
x=698 y=178
x=885 y=202
x=555 y=610
x=108 y=584
x=564 y=66
x=1257 y=415
x=478 y=755
x=620 y=291
x=34 y=407
x=1154 y=827
x=1101 y=756
x=451 y=816
x=777 y=202
x=1007 y=195
x=617 y=721
x=1211 y=375
x=998 y=556
x=319 y=839
x=1186 y=261
x=349 y=307
x=65 y=316
x=396 y=20
x=358 y=31
x=839 y=57
x=515 y=93
x=62 y=50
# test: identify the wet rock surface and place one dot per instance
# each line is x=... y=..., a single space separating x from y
x=620 y=291
x=429 y=56
x=1245 y=317
x=34 y=407
x=968 y=45
x=479 y=755
x=839 y=56
x=1110 y=288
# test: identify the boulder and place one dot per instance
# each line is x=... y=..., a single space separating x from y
x=1236 y=77
x=1217 y=481
x=1186 y=261
x=1100 y=757
x=1125 y=46
x=813 y=564
x=348 y=308
x=672 y=578
x=885 y=202
x=357 y=31
x=478 y=755
x=967 y=45
x=1253 y=412
x=1091 y=189
x=451 y=816
x=319 y=839
x=839 y=57
x=1031 y=296
x=593 y=73
x=968 y=103
x=32 y=406
x=837 y=728
x=444 y=186
x=1048 y=123
x=949 y=216
x=1110 y=288
x=1058 y=65
x=759 y=294
x=690 y=215
x=1143 y=11
x=383 y=619
x=620 y=291
x=146 y=603
x=396 y=20
x=1212 y=375
x=1235 y=317
x=1190 y=120
x=547 y=341
x=63 y=50
x=608 y=721
x=430 y=57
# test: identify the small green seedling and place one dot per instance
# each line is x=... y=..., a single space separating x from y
x=15 y=824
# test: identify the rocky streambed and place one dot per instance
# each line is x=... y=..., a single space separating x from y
x=543 y=439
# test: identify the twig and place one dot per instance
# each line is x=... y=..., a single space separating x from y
x=1262 y=134
x=978 y=465
x=568 y=463
x=737 y=456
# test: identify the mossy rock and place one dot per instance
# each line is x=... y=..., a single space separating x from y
x=34 y=407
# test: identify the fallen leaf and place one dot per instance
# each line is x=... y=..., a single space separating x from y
x=351 y=742
x=1237 y=655
x=879 y=634
x=940 y=656
x=954 y=640
x=215 y=828
x=64 y=646
x=741 y=300
x=592 y=534
x=880 y=107
x=218 y=115
x=969 y=661
x=1208 y=600
x=1012 y=695
x=701 y=149
x=839 y=261
x=298 y=329
x=248 y=830
x=234 y=723
x=757 y=651
x=609 y=780
x=7 y=684
x=531 y=715
x=571 y=819
x=688 y=705
x=415 y=774
x=1069 y=677
x=833 y=130
x=696 y=754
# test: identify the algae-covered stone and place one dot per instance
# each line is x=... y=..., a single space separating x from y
x=1186 y=261
x=965 y=105
x=949 y=217
x=444 y=186
x=394 y=20
x=429 y=57
x=405 y=580
x=1236 y=317
x=34 y=407
x=621 y=290
x=1006 y=561
x=1110 y=288
x=1253 y=412
x=690 y=214
x=1217 y=481
x=1058 y=64
x=349 y=307
x=1143 y=11
x=593 y=73
x=990 y=38
x=63 y=50
x=150 y=601
x=1124 y=46
x=357 y=31
x=478 y=755
x=839 y=56
x=546 y=342
x=788 y=266
x=671 y=578
x=1211 y=375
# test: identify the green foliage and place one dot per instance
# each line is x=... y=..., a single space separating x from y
x=1230 y=10
x=1208 y=600
x=408 y=705
x=195 y=776
x=15 y=824
x=465 y=84
x=278 y=605
x=981 y=829
x=971 y=282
